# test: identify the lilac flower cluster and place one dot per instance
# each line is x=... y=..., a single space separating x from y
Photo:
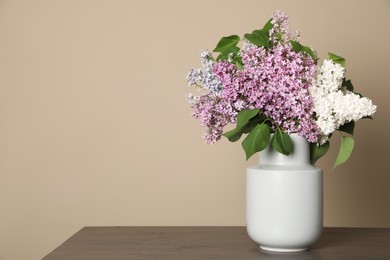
x=268 y=82
x=204 y=77
x=280 y=31
x=214 y=113
x=334 y=105
x=275 y=81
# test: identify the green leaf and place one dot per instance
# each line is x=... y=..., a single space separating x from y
x=245 y=115
x=253 y=122
x=228 y=44
x=348 y=84
x=233 y=135
x=249 y=127
x=268 y=26
x=239 y=63
x=347 y=144
x=258 y=38
x=257 y=140
x=317 y=151
x=297 y=47
x=348 y=127
x=310 y=52
x=337 y=59
x=281 y=142
x=223 y=56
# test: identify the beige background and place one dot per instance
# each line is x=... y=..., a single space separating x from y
x=95 y=129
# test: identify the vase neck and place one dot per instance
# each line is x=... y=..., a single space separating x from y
x=300 y=154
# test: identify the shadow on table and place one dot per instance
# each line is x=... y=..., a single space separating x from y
x=265 y=255
x=325 y=244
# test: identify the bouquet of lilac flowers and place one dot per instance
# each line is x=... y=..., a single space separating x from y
x=268 y=82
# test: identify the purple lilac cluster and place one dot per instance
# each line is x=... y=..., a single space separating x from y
x=214 y=113
x=276 y=80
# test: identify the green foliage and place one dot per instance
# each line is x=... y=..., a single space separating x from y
x=347 y=84
x=239 y=63
x=245 y=115
x=346 y=148
x=233 y=135
x=317 y=151
x=268 y=26
x=281 y=142
x=297 y=47
x=228 y=43
x=246 y=121
x=348 y=127
x=253 y=122
x=258 y=38
x=257 y=140
x=226 y=46
x=337 y=59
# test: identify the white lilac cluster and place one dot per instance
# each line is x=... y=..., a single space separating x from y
x=205 y=77
x=334 y=105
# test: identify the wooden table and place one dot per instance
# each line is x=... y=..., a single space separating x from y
x=160 y=243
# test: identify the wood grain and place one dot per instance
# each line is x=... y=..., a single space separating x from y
x=141 y=243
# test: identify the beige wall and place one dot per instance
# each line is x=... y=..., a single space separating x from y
x=95 y=130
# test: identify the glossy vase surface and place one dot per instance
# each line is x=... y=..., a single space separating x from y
x=284 y=199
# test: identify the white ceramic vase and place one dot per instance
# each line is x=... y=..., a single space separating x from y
x=284 y=199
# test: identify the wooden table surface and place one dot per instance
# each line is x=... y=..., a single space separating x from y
x=160 y=243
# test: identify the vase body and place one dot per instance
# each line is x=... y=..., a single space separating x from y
x=284 y=199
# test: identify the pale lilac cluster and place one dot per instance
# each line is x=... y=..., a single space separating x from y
x=213 y=112
x=280 y=31
x=333 y=104
x=204 y=77
x=275 y=81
